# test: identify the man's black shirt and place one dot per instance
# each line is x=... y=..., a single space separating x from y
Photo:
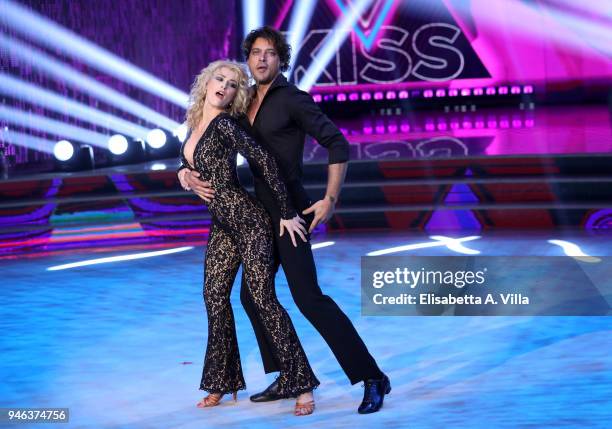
x=285 y=116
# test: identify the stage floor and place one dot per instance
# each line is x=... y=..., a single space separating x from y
x=122 y=344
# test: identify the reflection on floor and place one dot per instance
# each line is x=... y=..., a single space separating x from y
x=122 y=343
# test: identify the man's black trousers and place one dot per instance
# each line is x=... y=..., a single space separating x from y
x=320 y=310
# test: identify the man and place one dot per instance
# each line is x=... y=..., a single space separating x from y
x=279 y=117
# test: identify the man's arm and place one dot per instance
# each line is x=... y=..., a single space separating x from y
x=316 y=124
x=190 y=181
x=324 y=209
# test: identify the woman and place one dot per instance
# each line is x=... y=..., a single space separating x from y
x=241 y=233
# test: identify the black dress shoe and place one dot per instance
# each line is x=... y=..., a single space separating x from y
x=270 y=394
x=374 y=394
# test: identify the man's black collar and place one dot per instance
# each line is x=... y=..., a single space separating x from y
x=279 y=81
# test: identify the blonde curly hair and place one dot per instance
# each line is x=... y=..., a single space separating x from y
x=197 y=96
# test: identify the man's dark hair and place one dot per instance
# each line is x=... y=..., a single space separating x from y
x=283 y=49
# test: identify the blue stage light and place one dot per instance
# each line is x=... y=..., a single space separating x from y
x=63 y=150
x=573 y=250
x=252 y=15
x=70 y=156
x=117 y=144
x=181 y=132
x=156 y=138
x=53 y=35
x=109 y=259
x=39 y=60
x=300 y=18
x=332 y=43
x=51 y=126
x=124 y=151
x=24 y=91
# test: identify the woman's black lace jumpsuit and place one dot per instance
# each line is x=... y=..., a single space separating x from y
x=242 y=232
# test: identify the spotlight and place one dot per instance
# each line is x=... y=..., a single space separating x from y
x=73 y=157
x=117 y=144
x=124 y=151
x=158 y=166
x=63 y=150
x=156 y=138
x=181 y=132
x=162 y=144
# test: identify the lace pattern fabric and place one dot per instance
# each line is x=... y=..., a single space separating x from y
x=242 y=233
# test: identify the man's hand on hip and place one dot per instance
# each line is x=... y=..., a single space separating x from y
x=190 y=181
x=323 y=211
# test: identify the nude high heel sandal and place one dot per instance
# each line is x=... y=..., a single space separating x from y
x=214 y=399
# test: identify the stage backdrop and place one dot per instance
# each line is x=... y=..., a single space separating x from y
x=455 y=42
x=551 y=44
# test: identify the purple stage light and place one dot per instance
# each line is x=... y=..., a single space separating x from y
x=403 y=94
x=492 y=124
x=442 y=126
x=380 y=129
x=491 y=91
x=341 y=97
x=405 y=127
x=466 y=92
x=378 y=95
x=354 y=96
x=454 y=125
x=479 y=124
x=367 y=130
x=428 y=93
x=515 y=90
x=391 y=95
x=392 y=128
x=366 y=96
x=504 y=123
x=453 y=92
x=517 y=123
x=467 y=125
x=528 y=89
x=478 y=91
x=503 y=90
x=317 y=98
x=440 y=93
x=529 y=123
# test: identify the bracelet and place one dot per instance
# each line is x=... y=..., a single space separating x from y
x=332 y=198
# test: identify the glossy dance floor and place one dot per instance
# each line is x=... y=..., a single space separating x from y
x=121 y=344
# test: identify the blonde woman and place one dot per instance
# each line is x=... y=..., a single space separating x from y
x=241 y=233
